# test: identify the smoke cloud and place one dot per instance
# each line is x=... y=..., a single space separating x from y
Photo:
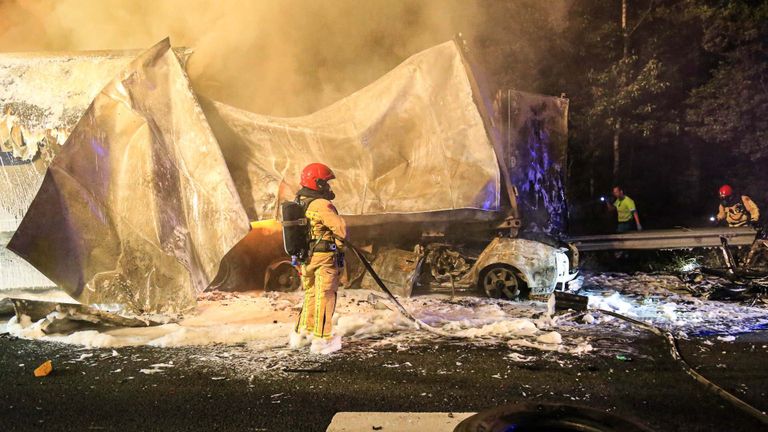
x=287 y=57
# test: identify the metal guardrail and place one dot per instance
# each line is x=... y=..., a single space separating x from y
x=678 y=238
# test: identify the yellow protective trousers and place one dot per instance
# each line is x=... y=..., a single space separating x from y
x=320 y=279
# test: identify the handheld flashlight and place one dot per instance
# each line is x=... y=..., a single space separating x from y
x=602 y=199
x=712 y=219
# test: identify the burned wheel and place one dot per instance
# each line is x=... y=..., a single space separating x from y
x=282 y=277
x=501 y=281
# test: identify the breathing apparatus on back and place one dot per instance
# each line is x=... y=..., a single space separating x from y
x=296 y=226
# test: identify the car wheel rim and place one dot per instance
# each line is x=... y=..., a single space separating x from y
x=284 y=278
x=501 y=283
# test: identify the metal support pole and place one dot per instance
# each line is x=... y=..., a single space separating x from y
x=730 y=263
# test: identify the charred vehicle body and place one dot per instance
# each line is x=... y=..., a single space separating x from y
x=508 y=268
x=431 y=170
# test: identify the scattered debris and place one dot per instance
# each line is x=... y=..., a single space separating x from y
x=247 y=331
x=155 y=368
x=520 y=358
x=44 y=369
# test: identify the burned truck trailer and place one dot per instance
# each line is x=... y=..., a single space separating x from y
x=429 y=171
x=509 y=253
x=420 y=157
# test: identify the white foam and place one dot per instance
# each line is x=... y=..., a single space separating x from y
x=264 y=322
x=551 y=338
x=664 y=301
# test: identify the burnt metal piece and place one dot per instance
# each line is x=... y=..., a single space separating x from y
x=397 y=268
x=69 y=312
x=565 y=301
x=446 y=263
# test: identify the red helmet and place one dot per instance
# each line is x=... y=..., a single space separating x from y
x=726 y=191
x=314 y=172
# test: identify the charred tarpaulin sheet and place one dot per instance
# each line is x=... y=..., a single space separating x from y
x=412 y=141
x=42 y=96
x=138 y=207
x=535 y=128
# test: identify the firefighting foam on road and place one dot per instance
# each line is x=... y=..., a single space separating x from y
x=262 y=320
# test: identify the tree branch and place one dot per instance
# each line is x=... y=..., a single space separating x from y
x=643 y=17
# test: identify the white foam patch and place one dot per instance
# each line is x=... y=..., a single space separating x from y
x=551 y=338
x=663 y=301
x=263 y=321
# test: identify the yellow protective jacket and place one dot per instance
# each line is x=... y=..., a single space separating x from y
x=324 y=221
x=740 y=213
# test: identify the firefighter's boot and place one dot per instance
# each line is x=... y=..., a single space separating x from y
x=300 y=339
x=325 y=345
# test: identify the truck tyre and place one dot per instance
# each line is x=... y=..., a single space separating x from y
x=282 y=277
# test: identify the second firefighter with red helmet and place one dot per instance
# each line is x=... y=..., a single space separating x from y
x=736 y=209
x=321 y=272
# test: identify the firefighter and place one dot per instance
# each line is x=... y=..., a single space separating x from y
x=321 y=272
x=735 y=209
x=626 y=211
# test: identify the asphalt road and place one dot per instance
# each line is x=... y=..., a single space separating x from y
x=97 y=389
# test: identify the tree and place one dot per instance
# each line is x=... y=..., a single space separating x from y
x=731 y=108
x=625 y=90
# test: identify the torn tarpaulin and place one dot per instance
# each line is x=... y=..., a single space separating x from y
x=138 y=207
x=42 y=97
x=412 y=141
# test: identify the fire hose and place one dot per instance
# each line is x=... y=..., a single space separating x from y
x=400 y=308
x=668 y=337
x=675 y=352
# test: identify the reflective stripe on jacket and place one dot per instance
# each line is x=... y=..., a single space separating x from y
x=740 y=213
x=324 y=221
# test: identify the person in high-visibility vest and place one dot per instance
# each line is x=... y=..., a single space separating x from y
x=626 y=211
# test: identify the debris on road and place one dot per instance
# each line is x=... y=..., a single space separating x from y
x=246 y=332
x=156 y=368
x=44 y=369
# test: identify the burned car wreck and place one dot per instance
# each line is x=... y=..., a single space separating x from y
x=507 y=268
x=430 y=172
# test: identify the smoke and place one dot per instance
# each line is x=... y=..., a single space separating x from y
x=286 y=57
